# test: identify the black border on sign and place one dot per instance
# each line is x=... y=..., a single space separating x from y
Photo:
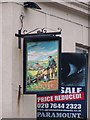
x=35 y=38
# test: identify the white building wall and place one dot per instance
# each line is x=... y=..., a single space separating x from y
x=7 y=60
x=73 y=30
x=0 y=61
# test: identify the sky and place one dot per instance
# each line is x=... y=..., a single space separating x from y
x=41 y=50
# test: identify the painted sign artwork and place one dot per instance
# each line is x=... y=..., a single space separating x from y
x=42 y=65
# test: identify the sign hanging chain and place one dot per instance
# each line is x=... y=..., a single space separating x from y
x=21 y=20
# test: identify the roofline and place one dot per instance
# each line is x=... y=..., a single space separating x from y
x=75 y=5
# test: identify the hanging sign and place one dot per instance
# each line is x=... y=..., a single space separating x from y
x=70 y=101
x=41 y=63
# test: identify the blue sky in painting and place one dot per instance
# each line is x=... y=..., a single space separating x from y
x=41 y=50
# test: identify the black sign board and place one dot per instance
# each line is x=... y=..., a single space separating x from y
x=70 y=101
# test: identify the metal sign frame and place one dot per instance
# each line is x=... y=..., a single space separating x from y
x=39 y=38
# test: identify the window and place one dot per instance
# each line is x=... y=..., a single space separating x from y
x=80 y=48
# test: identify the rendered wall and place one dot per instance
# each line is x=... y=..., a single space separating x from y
x=74 y=30
x=0 y=61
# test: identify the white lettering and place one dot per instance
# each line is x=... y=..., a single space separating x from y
x=70 y=90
